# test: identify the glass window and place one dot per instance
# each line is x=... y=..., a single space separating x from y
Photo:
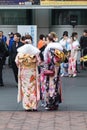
x=15 y=17
x=63 y=17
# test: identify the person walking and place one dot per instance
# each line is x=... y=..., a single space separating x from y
x=27 y=61
x=13 y=53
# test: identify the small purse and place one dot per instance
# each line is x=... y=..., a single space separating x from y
x=49 y=72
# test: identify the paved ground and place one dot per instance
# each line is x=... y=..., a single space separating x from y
x=72 y=113
x=59 y=120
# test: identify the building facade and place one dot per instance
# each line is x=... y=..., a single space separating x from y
x=46 y=18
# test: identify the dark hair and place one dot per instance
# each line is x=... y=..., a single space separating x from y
x=41 y=36
x=74 y=34
x=85 y=31
x=23 y=38
x=18 y=35
x=1 y=31
x=65 y=33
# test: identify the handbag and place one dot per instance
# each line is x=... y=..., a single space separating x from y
x=49 y=72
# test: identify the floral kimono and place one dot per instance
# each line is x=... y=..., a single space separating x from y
x=51 y=89
x=28 y=85
x=51 y=84
x=73 y=58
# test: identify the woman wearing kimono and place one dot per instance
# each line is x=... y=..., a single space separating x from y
x=75 y=47
x=28 y=85
x=52 y=83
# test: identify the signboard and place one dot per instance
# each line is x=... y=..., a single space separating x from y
x=44 y=2
x=64 y=2
x=28 y=29
x=20 y=2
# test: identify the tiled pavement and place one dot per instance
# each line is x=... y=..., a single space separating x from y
x=54 y=120
x=72 y=113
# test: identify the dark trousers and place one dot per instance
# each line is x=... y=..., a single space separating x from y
x=9 y=59
x=83 y=53
x=15 y=71
x=1 y=68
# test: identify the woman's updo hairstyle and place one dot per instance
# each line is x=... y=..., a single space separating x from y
x=51 y=37
x=54 y=34
x=27 y=36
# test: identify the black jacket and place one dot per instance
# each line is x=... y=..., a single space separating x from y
x=14 y=50
x=83 y=42
x=41 y=53
x=2 y=49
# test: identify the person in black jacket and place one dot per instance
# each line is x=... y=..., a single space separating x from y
x=14 y=47
x=83 y=45
x=2 y=57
